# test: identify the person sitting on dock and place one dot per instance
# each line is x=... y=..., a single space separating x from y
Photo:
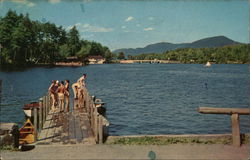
x=61 y=92
x=66 y=94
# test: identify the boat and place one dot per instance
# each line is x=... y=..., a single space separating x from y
x=208 y=64
x=27 y=133
x=28 y=108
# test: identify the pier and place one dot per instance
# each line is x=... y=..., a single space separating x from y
x=84 y=124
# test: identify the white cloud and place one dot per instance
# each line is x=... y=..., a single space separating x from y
x=54 y=1
x=151 y=18
x=88 y=36
x=123 y=27
x=30 y=4
x=24 y=2
x=148 y=29
x=90 y=28
x=130 y=18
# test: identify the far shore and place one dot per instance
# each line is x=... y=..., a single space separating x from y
x=80 y=64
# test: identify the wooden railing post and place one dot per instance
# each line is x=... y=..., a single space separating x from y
x=44 y=111
x=100 y=130
x=234 y=112
x=35 y=123
x=91 y=114
x=96 y=126
x=47 y=104
x=40 y=114
x=235 y=129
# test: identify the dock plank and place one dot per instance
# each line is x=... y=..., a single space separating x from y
x=67 y=128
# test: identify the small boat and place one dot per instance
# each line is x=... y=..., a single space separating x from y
x=208 y=64
x=28 y=108
x=27 y=133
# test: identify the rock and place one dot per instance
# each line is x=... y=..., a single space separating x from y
x=9 y=134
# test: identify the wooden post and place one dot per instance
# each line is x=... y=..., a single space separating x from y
x=234 y=112
x=47 y=105
x=35 y=123
x=210 y=110
x=100 y=130
x=235 y=129
x=91 y=114
x=44 y=111
x=40 y=114
x=96 y=126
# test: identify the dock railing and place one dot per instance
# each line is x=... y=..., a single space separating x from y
x=234 y=112
x=94 y=109
x=96 y=114
x=40 y=113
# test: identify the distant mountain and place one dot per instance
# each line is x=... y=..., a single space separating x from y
x=217 y=41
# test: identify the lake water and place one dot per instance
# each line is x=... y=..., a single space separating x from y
x=143 y=98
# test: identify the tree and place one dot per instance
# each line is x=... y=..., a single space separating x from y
x=108 y=55
x=84 y=51
x=73 y=41
x=96 y=49
x=130 y=57
x=121 y=55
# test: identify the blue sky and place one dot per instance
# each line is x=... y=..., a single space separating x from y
x=130 y=24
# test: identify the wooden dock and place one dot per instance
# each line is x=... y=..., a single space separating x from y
x=67 y=128
x=85 y=123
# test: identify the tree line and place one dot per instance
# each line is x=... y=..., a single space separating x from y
x=24 y=41
x=239 y=53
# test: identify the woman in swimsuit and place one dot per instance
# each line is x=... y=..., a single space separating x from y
x=61 y=92
x=52 y=91
x=66 y=94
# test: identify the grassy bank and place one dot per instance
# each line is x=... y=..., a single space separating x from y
x=167 y=140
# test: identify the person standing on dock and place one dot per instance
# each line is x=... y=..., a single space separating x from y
x=77 y=85
x=80 y=90
x=67 y=94
x=53 y=94
x=61 y=93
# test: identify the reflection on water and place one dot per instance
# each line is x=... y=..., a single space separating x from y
x=143 y=98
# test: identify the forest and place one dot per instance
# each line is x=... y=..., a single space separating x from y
x=238 y=53
x=26 y=42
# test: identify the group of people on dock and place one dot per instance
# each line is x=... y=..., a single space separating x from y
x=60 y=94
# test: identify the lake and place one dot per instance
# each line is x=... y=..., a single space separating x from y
x=143 y=98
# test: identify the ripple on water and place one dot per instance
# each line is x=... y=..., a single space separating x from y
x=143 y=98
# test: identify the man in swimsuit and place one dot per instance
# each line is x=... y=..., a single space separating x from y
x=80 y=90
x=76 y=85
x=66 y=95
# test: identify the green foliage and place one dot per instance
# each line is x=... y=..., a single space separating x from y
x=121 y=55
x=168 y=140
x=25 y=42
x=8 y=148
x=228 y=54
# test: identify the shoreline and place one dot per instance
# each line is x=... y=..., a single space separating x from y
x=80 y=64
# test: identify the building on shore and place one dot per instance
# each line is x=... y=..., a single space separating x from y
x=96 y=59
x=70 y=61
